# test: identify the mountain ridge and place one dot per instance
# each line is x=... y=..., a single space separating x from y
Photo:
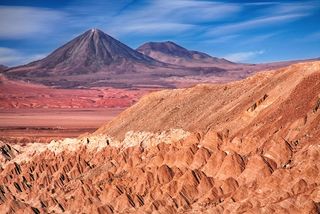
x=163 y=51
x=90 y=51
x=95 y=59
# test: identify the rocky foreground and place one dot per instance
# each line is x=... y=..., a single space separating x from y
x=250 y=146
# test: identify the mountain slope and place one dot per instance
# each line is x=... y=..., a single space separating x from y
x=170 y=52
x=236 y=106
x=250 y=146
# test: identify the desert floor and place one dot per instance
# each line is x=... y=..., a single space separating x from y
x=47 y=124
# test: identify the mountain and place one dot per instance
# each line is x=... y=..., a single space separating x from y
x=95 y=59
x=93 y=52
x=250 y=146
x=170 y=52
x=89 y=53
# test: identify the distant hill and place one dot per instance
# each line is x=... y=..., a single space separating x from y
x=170 y=52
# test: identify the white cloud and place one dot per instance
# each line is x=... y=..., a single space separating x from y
x=261 y=3
x=12 y=57
x=243 y=56
x=197 y=11
x=149 y=18
x=312 y=37
x=254 y=23
x=21 y=22
x=275 y=13
x=297 y=7
x=258 y=38
x=167 y=16
x=154 y=28
x=222 y=39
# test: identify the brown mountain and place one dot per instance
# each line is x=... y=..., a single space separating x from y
x=250 y=146
x=170 y=52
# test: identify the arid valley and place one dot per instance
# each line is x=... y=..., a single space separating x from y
x=36 y=112
x=96 y=126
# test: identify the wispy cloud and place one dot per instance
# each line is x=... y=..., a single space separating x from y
x=21 y=22
x=243 y=56
x=168 y=16
x=258 y=38
x=151 y=29
x=254 y=23
x=12 y=57
x=205 y=25
x=312 y=37
x=293 y=7
x=196 y=11
x=261 y=3
x=222 y=39
x=275 y=13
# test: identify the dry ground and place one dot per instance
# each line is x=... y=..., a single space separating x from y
x=47 y=124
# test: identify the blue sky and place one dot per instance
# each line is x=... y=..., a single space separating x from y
x=242 y=31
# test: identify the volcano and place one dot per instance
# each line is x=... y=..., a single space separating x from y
x=90 y=52
x=95 y=59
x=92 y=59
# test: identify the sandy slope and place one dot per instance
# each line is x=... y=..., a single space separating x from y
x=257 y=106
